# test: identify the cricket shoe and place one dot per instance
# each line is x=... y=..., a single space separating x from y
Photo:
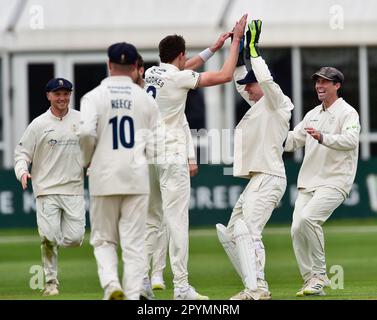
x=248 y=294
x=263 y=289
x=188 y=293
x=114 y=292
x=146 y=292
x=300 y=293
x=158 y=283
x=51 y=288
x=316 y=285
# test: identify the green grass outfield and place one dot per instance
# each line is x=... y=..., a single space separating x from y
x=350 y=244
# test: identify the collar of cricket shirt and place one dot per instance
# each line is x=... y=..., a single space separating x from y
x=117 y=78
x=334 y=107
x=58 y=118
x=168 y=66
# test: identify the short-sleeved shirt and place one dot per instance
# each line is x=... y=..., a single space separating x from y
x=169 y=86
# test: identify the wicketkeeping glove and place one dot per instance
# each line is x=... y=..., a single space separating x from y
x=252 y=38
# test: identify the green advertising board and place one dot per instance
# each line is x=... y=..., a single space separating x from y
x=213 y=195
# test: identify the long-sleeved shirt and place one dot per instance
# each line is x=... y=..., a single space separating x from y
x=334 y=161
x=117 y=127
x=51 y=145
x=259 y=136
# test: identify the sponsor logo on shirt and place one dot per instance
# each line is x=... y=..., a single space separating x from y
x=119 y=89
x=69 y=142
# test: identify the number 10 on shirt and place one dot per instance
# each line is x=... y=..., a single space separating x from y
x=123 y=131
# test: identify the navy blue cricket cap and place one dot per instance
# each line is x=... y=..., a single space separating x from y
x=58 y=84
x=249 y=78
x=122 y=53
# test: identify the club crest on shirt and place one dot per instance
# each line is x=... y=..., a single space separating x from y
x=52 y=142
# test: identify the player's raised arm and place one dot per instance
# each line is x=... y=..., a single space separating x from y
x=197 y=61
x=224 y=75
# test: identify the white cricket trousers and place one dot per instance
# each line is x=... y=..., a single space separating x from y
x=61 y=223
x=255 y=205
x=312 y=209
x=114 y=218
x=160 y=253
x=158 y=234
x=174 y=184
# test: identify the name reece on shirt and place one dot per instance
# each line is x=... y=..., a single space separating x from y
x=121 y=104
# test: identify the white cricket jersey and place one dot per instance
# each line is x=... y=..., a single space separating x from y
x=118 y=120
x=259 y=136
x=169 y=86
x=51 y=145
x=334 y=162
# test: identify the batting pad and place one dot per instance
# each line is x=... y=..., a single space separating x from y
x=246 y=254
x=230 y=249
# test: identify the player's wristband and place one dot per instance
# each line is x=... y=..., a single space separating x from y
x=206 y=54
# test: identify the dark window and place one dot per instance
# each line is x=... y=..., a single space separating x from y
x=87 y=76
x=148 y=64
x=372 y=71
x=195 y=107
x=344 y=59
x=1 y=102
x=373 y=149
x=38 y=75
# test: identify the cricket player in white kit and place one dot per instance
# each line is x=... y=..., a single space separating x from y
x=258 y=150
x=169 y=83
x=330 y=135
x=116 y=135
x=51 y=145
x=161 y=243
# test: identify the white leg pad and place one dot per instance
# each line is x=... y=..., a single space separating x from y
x=260 y=258
x=246 y=254
x=230 y=248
